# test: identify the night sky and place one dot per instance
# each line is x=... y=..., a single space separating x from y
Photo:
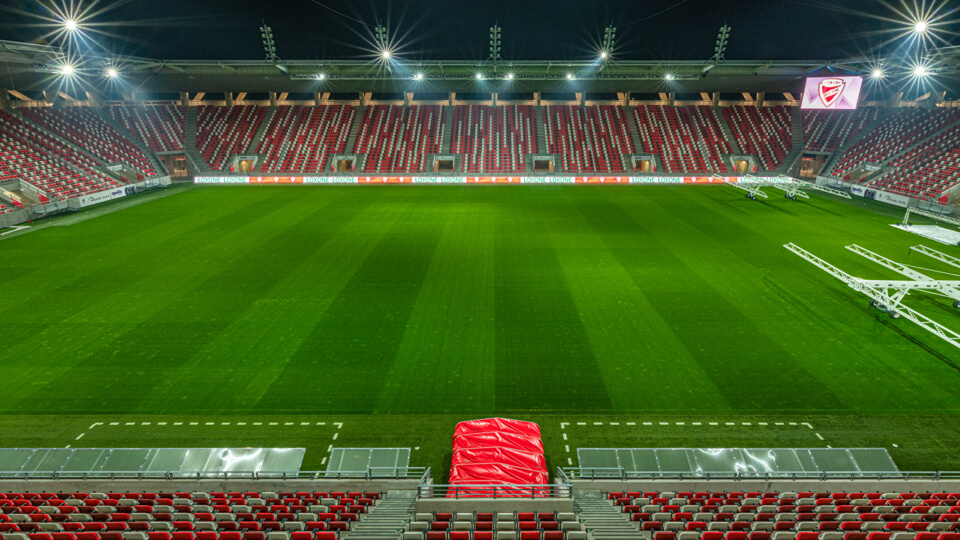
x=458 y=30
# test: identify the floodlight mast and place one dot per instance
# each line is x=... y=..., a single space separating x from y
x=269 y=46
x=723 y=37
x=495 y=46
x=609 y=42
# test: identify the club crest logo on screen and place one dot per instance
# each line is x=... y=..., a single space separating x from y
x=831 y=90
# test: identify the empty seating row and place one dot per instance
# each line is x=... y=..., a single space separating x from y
x=762 y=131
x=826 y=131
x=398 y=139
x=163 y=535
x=686 y=139
x=494 y=139
x=160 y=126
x=786 y=535
x=223 y=131
x=500 y=526
x=927 y=171
x=588 y=139
x=301 y=139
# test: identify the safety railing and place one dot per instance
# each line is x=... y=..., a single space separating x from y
x=494 y=491
x=371 y=473
x=616 y=473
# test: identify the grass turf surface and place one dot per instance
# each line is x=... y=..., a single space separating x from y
x=401 y=310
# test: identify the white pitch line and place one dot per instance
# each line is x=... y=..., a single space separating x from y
x=258 y=423
x=114 y=423
x=130 y=424
x=569 y=461
x=95 y=424
x=598 y=423
x=288 y=423
x=272 y=424
x=563 y=425
x=144 y=423
x=793 y=423
x=581 y=423
x=807 y=424
x=241 y=423
x=321 y=423
x=778 y=423
x=338 y=424
x=828 y=446
x=746 y=423
x=161 y=423
x=335 y=435
x=731 y=423
x=664 y=423
x=330 y=449
x=178 y=423
x=648 y=423
x=614 y=423
x=194 y=423
x=324 y=462
x=224 y=423
x=697 y=424
x=713 y=423
x=80 y=436
x=819 y=436
x=631 y=423
x=681 y=423
x=564 y=436
x=67 y=446
x=761 y=423
x=567 y=447
x=208 y=423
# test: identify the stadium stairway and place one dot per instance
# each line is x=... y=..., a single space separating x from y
x=635 y=138
x=445 y=140
x=64 y=142
x=351 y=145
x=190 y=141
x=603 y=520
x=796 y=151
x=387 y=520
x=144 y=148
x=542 y=137
x=843 y=148
x=255 y=142
x=727 y=132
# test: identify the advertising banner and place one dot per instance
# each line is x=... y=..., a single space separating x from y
x=882 y=196
x=831 y=93
x=532 y=180
x=102 y=196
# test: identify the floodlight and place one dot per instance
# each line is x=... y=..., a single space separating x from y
x=386 y=55
x=112 y=73
x=66 y=69
x=479 y=76
x=321 y=76
x=604 y=55
x=569 y=76
x=509 y=76
x=70 y=25
x=920 y=71
x=418 y=76
x=668 y=76
x=877 y=73
x=921 y=27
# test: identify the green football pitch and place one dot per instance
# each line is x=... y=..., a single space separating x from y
x=380 y=316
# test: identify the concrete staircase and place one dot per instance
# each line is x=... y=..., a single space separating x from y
x=634 y=132
x=796 y=150
x=601 y=519
x=447 y=131
x=835 y=158
x=387 y=520
x=190 y=141
x=144 y=148
x=351 y=146
x=541 y=130
x=255 y=141
x=727 y=132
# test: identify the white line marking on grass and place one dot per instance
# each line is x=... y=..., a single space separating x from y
x=95 y=424
x=598 y=423
x=208 y=423
x=114 y=423
x=807 y=424
x=130 y=424
x=258 y=423
x=272 y=424
x=614 y=423
x=793 y=423
x=631 y=423
x=563 y=425
x=664 y=423
x=746 y=423
x=761 y=423
x=241 y=423
x=564 y=436
x=697 y=424
x=194 y=423
x=713 y=424
x=144 y=423
x=828 y=446
x=567 y=447
x=80 y=436
x=224 y=423
x=731 y=423
x=648 y=423
x=330 y=449
x=161 y=423
x=778 y=423
x=335 y=435
x=324 y=462
x=321 y=423
x=67 y=446
x=288 y=423
x=681 y=423
x=304 y=423
x=819 y=436
x=178 y=423
x=338 y=424
x=581 y=423
x=569 y=461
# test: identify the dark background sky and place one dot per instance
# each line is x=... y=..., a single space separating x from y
x=458 y=30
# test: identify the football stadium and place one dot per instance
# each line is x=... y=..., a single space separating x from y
x=458 y=271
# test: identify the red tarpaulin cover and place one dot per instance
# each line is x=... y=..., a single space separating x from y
x=505 y=456
x=482 y=473
x=499 y=440
x=497 y=424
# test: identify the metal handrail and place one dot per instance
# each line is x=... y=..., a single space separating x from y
x=371 y=473
x=494 y=491
x=615 y=473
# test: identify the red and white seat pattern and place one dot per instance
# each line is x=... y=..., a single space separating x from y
x=160 y=126
x=181 y=516
x=793 y=516
x=83 y=127
x=5 y=209
x=902 y=129
x=224 y=131
x=398 y=139
x=56 y=170
x=491 y=526
x=301 y=138
x=494 y=139
x=825 y=131
x=927 y=171
x=588 y=139
x=762 y=131
x=686 y=139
